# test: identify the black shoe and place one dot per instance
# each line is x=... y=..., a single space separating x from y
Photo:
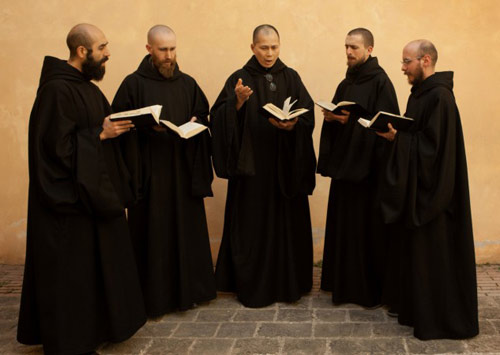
x=392 y=313
x=372 y=307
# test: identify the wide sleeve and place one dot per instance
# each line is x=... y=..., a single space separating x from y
x=199 y=150
x=68 y=165
x=419 y=181
x=329 y=135
x=386 y=97
x=296 y=157
x=130 y=142
x=231 y=140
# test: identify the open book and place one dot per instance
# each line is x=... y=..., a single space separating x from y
x=350 y=106
x=284 y=114
x=143 y=117
x=187 y=130
x=380 y=120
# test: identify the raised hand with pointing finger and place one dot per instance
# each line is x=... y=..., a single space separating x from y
x=242 y=93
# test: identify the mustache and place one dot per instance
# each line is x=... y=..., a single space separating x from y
x=104 y=60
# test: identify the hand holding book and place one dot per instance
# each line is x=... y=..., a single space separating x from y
x=380 y=122
x=342 y=117
x=286 y=125
x=285 y=114
x=390 y=135
x=187 y=130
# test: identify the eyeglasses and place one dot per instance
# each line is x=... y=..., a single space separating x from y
x=407 y=61
x=272 y=85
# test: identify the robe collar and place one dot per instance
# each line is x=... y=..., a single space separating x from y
x=55 y=68
x=254 y=68
x=365 y=71
x=148 y=70
x=444 y=79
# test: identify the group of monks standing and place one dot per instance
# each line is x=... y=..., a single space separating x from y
x=398 y=231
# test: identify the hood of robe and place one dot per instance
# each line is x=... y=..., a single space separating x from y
x=444 y=79
x=254 y=68
x=54 y=68
x=148 y=70
x=365 y=71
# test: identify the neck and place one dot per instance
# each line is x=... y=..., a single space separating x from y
x=428 y=73
x=75 y=64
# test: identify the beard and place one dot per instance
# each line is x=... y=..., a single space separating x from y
x=166 y=67
x=418 y=77
x=92 y=69
x=356 y=64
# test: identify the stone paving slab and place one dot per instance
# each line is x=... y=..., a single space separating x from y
x=310 y=326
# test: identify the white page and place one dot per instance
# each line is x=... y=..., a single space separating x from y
x=189 y=126
x=287 y=105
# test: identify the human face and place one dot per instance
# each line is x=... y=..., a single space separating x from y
x=356 y=51
x=266 y=48
x=163 y=53
x=94 y=67
x=411 y=65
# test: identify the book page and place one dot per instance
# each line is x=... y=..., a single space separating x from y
x=275 y=111
x=190 y=127
x=155 y=110
x=326 y=105
x=345 y=103
x=297 y=112
x=287 y=106
x=364 y=122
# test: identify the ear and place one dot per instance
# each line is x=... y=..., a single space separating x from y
x=149 y=48
x=427 y=61
x=252 y=47
x=81 y=52
x=369 y=49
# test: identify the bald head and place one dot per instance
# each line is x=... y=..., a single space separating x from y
x=83 y=34
x=264 y=30
x=159 y=31
x=422 y=47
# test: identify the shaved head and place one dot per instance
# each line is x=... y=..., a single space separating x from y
x=83 y=34
x=366 y=34
x=157 y=31
x=265 y=30
x=422 y=47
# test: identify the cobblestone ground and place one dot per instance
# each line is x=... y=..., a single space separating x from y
x=310 y=326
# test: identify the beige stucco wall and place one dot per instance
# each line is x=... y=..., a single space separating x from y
x=213 y=40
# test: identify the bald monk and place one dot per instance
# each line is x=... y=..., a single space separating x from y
x=426 y=202
x=171 y=176
x=266 y=250
x=81 y=286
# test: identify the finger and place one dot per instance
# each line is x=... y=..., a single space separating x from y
x=239 y=83
x=121 y=123
x=128 y=126
x=273 y=122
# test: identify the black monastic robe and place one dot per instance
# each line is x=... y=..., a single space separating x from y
x=354 y=251
x=266 y=249
x=426 y=198
x=171 y=176
x=80 y=286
